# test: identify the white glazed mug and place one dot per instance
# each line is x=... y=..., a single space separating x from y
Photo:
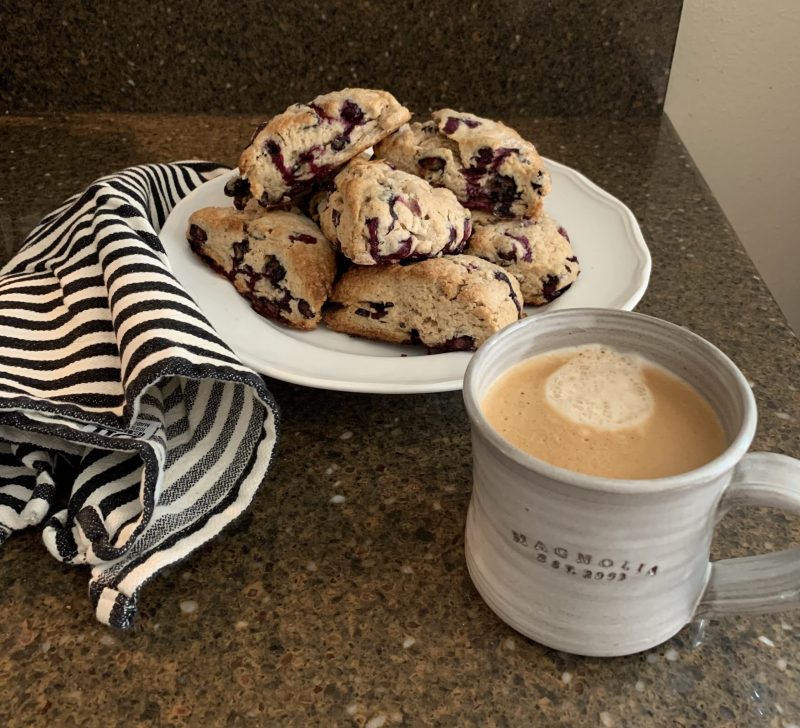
x=602 y=566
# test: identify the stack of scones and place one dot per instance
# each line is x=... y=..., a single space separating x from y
x=438 y=237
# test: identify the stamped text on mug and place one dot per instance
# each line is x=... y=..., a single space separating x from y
x=579 y=563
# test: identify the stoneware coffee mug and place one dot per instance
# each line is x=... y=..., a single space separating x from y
x=602 y=566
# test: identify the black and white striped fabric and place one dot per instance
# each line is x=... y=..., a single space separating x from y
x=126 y=425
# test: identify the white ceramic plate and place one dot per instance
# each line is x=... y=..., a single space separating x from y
x=615 y=269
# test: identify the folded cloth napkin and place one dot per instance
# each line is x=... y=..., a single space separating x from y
x=123 y=416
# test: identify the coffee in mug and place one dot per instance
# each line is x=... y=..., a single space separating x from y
x=600 y=411
x=606 y=565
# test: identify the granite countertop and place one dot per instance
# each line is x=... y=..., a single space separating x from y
x=307 y=612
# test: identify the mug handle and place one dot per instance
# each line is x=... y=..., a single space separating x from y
x=768 y=582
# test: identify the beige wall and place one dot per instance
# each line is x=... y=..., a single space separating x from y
x=734 y=98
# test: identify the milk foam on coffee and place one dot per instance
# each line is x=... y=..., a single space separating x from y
x=599 y=411
x=602 y=388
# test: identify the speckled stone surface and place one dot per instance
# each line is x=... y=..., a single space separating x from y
x=496 y=56
x=361 y=613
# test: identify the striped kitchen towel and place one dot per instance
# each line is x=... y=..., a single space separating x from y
x=127 y=425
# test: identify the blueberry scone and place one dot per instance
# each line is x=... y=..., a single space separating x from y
x=537 y=252
x=448 y=304
x=487 y=164
x=378 y=214
x=311 y=141
x=280 y=261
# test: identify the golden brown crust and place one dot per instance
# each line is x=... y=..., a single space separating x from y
x=455 y=302
x=487 y=164
x=280 y=261
x=310 y=141
x=377 y=214
x=537 y=252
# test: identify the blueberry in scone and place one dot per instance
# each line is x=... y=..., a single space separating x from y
x=488 y=165
x=239 y=188
x=311 y=141
x=448 y=304
x=378 y=214
x=537 y=252
x=280 y=261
